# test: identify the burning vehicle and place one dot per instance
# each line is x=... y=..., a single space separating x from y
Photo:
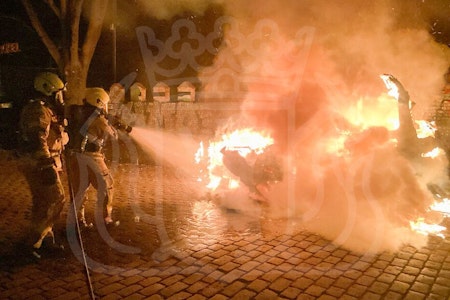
x=258 y=177
x=243 y=158
x=246 y=159
x=420 y=146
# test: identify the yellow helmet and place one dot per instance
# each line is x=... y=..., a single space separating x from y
x=97 y=97
x=48 y=83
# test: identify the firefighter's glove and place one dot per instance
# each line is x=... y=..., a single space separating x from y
x=47 y=171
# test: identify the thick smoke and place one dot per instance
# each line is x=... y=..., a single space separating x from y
x=300 y=67
x=166 y=9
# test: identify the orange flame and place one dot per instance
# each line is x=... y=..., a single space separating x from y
x=442 y=207
x=425 y=129
x=391 y=86
x=368 y=112
x=421 y=227
x=245 y=141
x=434 y=153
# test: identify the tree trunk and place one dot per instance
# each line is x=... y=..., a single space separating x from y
x=72 y=57
x=76 y=76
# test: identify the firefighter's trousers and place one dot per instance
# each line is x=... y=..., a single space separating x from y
x=89 y=168
x=47 y=201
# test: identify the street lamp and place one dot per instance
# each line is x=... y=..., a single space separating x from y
x=114 y=40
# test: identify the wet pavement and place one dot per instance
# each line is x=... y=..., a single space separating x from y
x=171 y=242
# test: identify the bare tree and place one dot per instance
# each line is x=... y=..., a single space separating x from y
x=73 y=49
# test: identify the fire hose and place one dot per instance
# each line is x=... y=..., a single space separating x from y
x=71 y=193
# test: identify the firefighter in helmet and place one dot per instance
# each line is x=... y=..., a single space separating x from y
x=42 y=139
x=89 y=130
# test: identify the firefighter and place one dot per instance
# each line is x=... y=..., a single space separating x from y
x=42 y=141
x=89 y=130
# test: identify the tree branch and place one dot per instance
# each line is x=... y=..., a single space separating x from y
x=75 y=29
x=55 y=9
x=65 y=31
x=96 y=18
x=52 y=48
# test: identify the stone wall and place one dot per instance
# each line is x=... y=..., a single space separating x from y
x=199 y=118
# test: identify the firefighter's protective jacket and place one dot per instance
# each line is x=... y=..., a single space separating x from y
x=42 y=133
x=98 y=132
x=89 y=129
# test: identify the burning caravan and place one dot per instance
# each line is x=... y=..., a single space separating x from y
x=243 y=158
x=432 y=142
x=244 y=153
x=409 y=144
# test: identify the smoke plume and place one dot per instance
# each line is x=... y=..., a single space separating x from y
x=166 y=9
x=301 y=67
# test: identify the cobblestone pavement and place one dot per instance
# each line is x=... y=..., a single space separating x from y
x=171 y=243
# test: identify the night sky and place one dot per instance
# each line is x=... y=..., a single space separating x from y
x=15 y=27
x=17 y=70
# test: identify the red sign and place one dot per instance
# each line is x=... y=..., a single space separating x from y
x=9 y=48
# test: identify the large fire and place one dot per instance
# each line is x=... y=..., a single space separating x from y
x=424 y=130
x=381 y=111
x=247 y=142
